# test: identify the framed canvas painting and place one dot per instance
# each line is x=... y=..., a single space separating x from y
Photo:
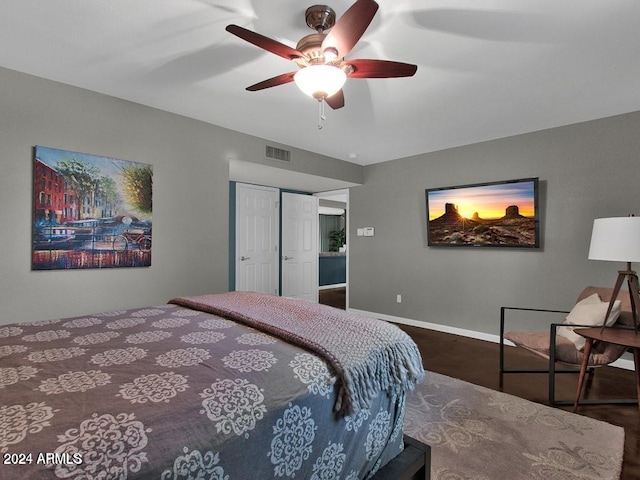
x=493 y=214
x=90 y=211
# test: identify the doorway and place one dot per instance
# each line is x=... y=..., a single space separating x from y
x=333 y=257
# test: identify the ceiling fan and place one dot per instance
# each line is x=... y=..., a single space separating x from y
x=320 y=56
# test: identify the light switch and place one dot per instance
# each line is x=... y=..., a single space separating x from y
x=368 y=231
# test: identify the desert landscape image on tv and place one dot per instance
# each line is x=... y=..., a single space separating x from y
x=495 y=214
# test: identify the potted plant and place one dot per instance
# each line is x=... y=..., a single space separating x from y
x=338 y=238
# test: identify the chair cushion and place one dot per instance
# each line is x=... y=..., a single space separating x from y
x=538 y=343
x=588 y=311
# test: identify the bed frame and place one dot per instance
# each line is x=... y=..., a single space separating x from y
x=414 y=463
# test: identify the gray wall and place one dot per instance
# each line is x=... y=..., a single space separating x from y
x=190 y=204
x=587 y=170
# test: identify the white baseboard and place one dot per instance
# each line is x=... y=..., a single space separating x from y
x=333 y=285
x=620 y=363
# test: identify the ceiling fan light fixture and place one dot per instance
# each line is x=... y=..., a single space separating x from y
x=330 y=54
x=320 y=81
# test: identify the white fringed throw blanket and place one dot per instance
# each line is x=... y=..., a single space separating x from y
x=368 y=355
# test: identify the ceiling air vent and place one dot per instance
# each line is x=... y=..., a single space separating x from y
x=278 y=154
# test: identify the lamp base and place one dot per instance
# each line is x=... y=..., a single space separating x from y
x=632 y=285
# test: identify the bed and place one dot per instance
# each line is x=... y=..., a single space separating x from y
x=229 y=386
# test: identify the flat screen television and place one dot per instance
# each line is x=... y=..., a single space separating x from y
x=493 y=214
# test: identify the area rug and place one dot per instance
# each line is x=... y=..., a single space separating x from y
x=481 y=434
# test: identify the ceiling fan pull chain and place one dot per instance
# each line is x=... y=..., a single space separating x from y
x=321 y=115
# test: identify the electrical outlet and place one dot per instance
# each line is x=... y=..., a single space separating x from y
x=399 y=298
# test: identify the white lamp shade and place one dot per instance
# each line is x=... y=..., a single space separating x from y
x=320 y=81
x=615 y=239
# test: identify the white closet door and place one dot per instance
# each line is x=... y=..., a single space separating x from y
x=300 y=246
x=257 y=266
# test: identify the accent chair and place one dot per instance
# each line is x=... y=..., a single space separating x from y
x=560 y=345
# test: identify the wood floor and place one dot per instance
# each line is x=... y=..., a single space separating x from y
x=477 y=361
x=335 y=297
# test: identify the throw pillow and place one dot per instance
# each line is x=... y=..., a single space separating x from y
x=588 y=311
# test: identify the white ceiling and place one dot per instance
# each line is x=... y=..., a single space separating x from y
x=486 y=68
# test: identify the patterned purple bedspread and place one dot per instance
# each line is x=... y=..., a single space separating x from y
x=168 y=392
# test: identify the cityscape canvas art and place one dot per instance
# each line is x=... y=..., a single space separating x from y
x=90 y=211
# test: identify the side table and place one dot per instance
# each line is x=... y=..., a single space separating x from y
x=629 y=338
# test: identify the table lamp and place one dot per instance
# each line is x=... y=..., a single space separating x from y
x=617 y=239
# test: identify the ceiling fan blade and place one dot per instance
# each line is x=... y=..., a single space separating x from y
x=350 y=27
x=380 y=69
x=265 y=43
x=336 y=100
x=272 y=82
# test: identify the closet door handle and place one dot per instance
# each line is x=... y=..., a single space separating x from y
x=243 y=258
x=287 y=258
